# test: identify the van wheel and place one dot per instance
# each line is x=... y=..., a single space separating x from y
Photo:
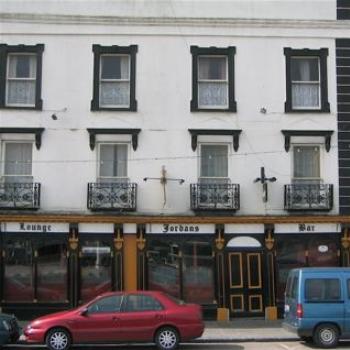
x=326 y=336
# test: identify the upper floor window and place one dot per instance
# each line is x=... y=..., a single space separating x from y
x=306 y=164
x=113 y=162
x=213 y=79
x=306 y=80
x=214 y=163
x=17 y=158
x=114 y=78
x=21 y=76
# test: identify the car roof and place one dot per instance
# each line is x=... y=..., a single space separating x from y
x=321 y=269
x=143 y=292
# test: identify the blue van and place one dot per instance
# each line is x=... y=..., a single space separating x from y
x=317 y=304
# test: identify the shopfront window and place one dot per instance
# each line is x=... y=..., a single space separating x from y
x=295 y=251
x=19 y=268
x=35 y=268
x=95 y=267
x=52 y=271
x=183 y=268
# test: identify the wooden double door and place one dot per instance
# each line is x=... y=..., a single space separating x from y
x=245 y=289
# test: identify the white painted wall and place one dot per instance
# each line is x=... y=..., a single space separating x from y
x=65 y=164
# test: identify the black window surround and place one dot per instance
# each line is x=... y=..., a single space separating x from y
x=195 y=132
x=133 y=132
x=99 y=50
x=323 y=133
x=36 y=131
x=322 y=55
x=5 y=50
x=213 y=51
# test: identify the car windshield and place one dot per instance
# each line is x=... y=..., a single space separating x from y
x=175 y=300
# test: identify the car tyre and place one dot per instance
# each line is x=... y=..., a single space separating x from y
x=326 y=336
x=58 y=339
x=167 y=338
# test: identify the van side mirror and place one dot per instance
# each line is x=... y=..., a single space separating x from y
x=84 y=312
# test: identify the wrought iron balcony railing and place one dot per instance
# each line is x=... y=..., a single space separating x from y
x=112 y=196
x=19 y=195
x=215 y=196
x=308 y=197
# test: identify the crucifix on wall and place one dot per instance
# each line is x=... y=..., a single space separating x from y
x=264 y=181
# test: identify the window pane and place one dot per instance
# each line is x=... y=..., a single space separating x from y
x=96 y=268
x=214 y=161
x=52 y=271
x=113 y=160
x=212 y=68
x=142 y=303
x=322 y=289
x=306 y=162
x=108 y=304
x=18 y=159
x=21 y=92
x=212 y=94
x=164 y=267
x=115 y=94
x=18 y=274
x=305 y=95
x=22 y=66
x=115 y=67
x=305 y=69
x=198 y=273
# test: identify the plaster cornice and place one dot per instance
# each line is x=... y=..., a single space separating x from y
x=172 y=21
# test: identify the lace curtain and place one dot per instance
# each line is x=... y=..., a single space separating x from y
x=214 y=163
x=307 y=163
x=212 y=81
x=21 y=78
x=305 y=83
x=115 y=80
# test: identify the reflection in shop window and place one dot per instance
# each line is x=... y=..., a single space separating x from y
x=95 y=268
x=18 y=274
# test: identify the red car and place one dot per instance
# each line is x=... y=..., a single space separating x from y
x=142 y=316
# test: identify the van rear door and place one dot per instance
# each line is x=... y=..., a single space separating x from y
x=291 y=298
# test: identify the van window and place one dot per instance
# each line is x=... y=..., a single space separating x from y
x=322 y=289
x=348 y=285
x=295 y=283
x=289 y=287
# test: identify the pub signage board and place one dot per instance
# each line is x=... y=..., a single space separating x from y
x=180 y=228
x=31 y=227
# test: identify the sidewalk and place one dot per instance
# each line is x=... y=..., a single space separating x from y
x=241 y=330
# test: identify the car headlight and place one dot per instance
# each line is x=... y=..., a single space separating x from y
x=6 y=325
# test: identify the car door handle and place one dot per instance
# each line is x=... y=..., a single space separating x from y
x=159 y=317
x=115 y=319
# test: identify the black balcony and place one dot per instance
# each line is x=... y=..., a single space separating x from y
x=19 y=196
x=308 y=197
x=112 y=196
x=215 y=196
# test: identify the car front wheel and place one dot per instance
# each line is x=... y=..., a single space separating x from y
x=326 y=336
x=58 y=339
x=167 y=338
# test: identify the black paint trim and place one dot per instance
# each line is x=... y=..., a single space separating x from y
x=213 y=51
x=133 y=132
x=37 y=131
x=4 y=51
x=195 y=132
x=323 y=133
x=99 y=50
x=322 y=54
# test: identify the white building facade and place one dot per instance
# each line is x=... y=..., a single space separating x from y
x=186 y=146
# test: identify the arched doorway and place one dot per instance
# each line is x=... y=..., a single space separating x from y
x=244 y=272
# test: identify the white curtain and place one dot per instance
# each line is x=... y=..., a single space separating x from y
x=115 y=80
x=113 y=162
x=305 y=83
x=306 y=163
x=214 y=162
x=21 y=79
x=212 y=81
x=18 y=162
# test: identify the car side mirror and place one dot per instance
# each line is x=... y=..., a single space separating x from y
x=84 y=312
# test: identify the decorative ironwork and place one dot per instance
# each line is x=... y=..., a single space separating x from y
x=308 y=197
x=19 y=195
x=214 y=196
x=112 y=196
